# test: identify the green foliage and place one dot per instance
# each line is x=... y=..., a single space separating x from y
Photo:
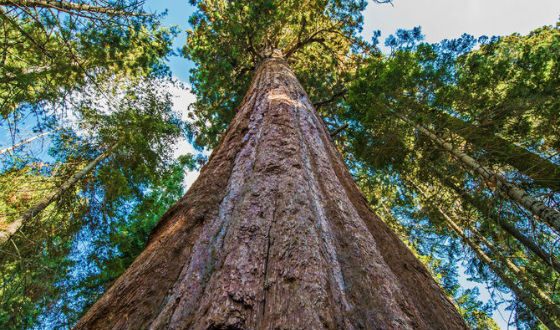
x=486 y=102
x=475 y=313
x=143 y=127
x=31 y=265
x=97 y=79
x=230 y=38
x=120 y=241
x=47 y=54
x=137 y=132
x=512 y=88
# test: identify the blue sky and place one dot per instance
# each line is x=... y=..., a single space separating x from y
x=444 y=19
x=439 y=19
x=178 y=12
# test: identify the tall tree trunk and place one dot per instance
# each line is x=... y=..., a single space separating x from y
x=11 y=228
x=67 y=6
x=274 y=234
x=486 y=211
x=552 y=314
x=547 y=214
x=26 y=141
x=549 y=319
x=543 y=172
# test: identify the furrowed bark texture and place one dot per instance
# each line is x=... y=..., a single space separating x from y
x=274 y=234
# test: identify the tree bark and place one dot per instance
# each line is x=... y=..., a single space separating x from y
x=26 y=141
x=14 y=226
x=547 y=214
x=274 y=234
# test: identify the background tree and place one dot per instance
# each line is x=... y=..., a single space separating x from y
x=437 y=137
x=421 y=106
x=133 y=140
x=51 y=50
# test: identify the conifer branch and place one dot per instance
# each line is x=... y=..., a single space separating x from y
x=69 y=7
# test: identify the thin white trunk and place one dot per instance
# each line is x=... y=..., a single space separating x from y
x=542 y=314
x=26 y=141
x=520 y=274
x=547 y=214
x=12 y=227
x=67 y=6
x=529 y=243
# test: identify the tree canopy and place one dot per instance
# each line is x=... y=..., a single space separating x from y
x=320 y=40
x=89 y=78
x=454 y=144
x=416 y=114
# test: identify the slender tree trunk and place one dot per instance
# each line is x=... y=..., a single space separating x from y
x=543 y=172
x=519 y=273
x=542 y=314
x=552 y=314
x=67 y=6
x=11 y=228
x=546 y=257
x=338 y=130
x=274 y=234
x=24 y=142
x=547 y=214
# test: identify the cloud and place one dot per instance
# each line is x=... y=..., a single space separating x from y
x=182 y=97
x=444 y=19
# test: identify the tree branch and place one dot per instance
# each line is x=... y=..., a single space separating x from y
x=333 y=98
x=68 y=7
x=338 y=130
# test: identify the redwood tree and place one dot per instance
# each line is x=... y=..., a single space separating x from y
x=274 y=233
